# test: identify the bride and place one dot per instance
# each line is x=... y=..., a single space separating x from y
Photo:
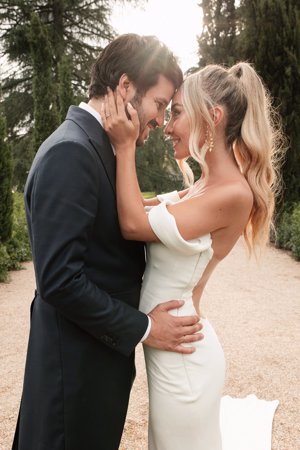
x=223 y=119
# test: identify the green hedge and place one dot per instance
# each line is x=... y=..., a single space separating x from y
x=288 y=230
x=17 y=249
x=148 y=194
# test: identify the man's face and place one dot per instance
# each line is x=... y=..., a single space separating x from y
x=151 y=107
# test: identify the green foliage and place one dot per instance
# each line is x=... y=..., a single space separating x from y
x=17 y=249
x=288 y=230
x=18 y=246
x=4 y=262
x=5 y=184
x=18 y=110
x=78 y=28
x=157 y=169
x=66 y=97
x=217 y=42
x=270 y=38
x=24 y=151
x=45 y=111
x=283 y=230
x=149 y=194
x=295 y=232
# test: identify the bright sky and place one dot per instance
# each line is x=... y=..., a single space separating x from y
x=174 y=22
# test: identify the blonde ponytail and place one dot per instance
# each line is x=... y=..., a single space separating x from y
x=258 y=152
x=252 y=132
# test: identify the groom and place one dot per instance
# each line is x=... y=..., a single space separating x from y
x=85 y=321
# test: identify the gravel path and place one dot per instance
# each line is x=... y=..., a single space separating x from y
x=255 y=310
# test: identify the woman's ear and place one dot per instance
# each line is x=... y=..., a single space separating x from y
x=217 y=114
x=126 y=88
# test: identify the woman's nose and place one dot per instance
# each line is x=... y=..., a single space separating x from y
x=168 y=128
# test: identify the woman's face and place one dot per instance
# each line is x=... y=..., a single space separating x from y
x=178 y=128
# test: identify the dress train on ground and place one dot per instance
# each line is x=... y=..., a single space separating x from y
x=246 y=423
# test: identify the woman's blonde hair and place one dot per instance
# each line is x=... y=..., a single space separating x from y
x=252 y=132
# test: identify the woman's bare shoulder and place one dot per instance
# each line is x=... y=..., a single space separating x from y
x=237 y=192
x=228 y=193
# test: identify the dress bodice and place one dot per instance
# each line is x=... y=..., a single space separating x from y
x=174 y=265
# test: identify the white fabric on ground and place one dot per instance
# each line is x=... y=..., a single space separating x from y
x=246 y=423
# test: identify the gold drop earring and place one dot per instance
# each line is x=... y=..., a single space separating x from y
x=209 y=140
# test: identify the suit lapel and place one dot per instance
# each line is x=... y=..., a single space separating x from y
x=97 y=138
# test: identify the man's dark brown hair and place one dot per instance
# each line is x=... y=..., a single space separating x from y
x=142 y=58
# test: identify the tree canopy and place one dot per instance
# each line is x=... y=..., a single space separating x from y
x=5 y=184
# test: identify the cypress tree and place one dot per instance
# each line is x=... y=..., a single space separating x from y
x=218 y=38
x=271 y=40
x=6 y=200
x=66 y=97
x=157 y=169
x=45 y=111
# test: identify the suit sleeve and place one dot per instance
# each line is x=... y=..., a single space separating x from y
x=63 y=204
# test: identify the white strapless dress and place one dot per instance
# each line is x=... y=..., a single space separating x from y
x=184 y=390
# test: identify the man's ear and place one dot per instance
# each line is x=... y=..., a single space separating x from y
x=126 y=87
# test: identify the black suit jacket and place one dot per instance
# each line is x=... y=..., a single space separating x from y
x=84 y=323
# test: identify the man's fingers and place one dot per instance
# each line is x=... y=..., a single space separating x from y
x=192 y=329
x=188 y=338
x=171 y=332
x=186 y=321
x=182 y=320
x=184 y=350
x=111 y=102
x=102 y=114
x=133 y=115
x=120 y=104
x=171 y=304
x=106 y=109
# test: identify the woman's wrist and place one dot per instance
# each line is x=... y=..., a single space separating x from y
x=124 y=150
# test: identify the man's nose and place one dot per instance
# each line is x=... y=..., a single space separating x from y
x=160 y=119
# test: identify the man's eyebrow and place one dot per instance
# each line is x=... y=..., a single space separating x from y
x=162 y=100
